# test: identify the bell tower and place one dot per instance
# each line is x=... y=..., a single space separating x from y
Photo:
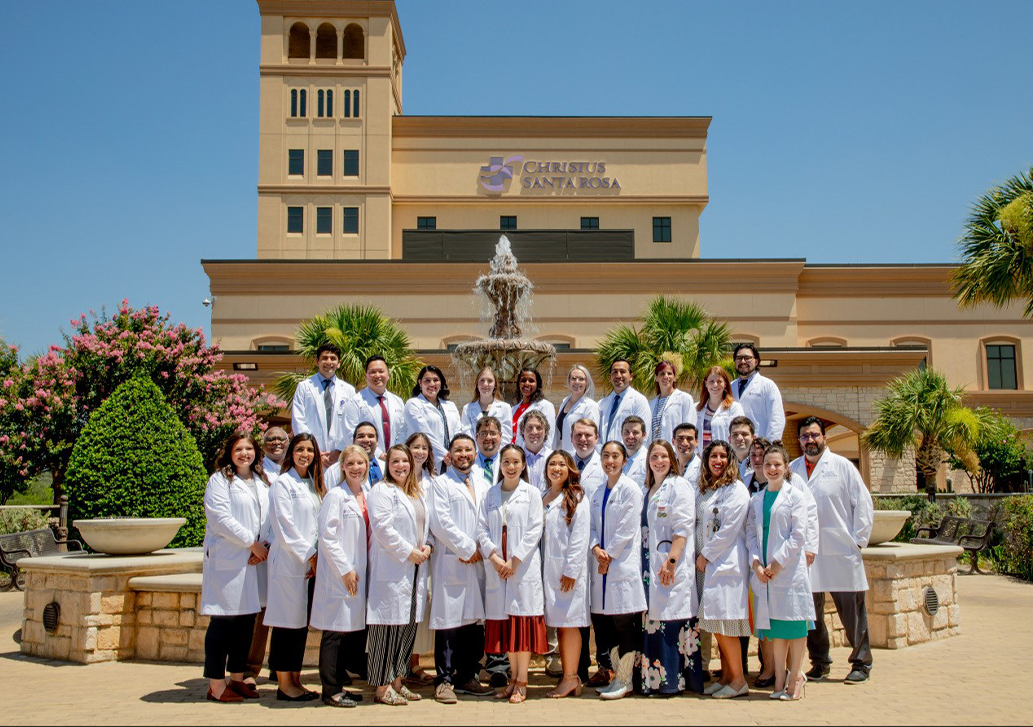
x=330 y=80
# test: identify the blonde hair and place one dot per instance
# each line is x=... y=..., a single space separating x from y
x=353 y=449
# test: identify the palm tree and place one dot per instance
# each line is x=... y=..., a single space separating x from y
x=360 y=332
x=922 y=410
x=673 y=329
x=997 y=247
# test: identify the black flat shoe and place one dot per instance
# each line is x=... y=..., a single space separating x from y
x=763 y=682
x=282 y=696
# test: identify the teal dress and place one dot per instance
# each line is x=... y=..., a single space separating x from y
x=779 y=629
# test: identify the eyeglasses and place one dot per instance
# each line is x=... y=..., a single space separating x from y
x=810 y=437
x=744 y=358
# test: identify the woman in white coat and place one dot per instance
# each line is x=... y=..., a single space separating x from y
x=509 y=529
x=486 y=403
x=671 y=406
x=716 y=408
x=618 y=595
x=429 y=411
x=236 y=506
x=339 y=601
x=399 y=547
x=423 y=464
x=295 y=500
x=565 y=573
x=578 y=404
x=724 y=610
x=530 y=396
x=671 y=660
x=776 y=535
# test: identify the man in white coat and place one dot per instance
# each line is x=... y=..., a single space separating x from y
x=759 y=396
x=633 y=433
x=274 y=448
x=488 y=436
x=318 y=407
x=377 y=405
x=740 y=435
x=845 y=516
x=685 y=445
x=457 y=575
x=535 y=428
x=621 y=403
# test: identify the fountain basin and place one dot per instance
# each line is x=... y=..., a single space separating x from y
x=129 y=536
x=887 y=524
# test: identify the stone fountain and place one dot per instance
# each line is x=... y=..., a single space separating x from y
x=507 y=292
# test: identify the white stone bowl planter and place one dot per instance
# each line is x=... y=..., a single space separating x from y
x=129 y=536
x=887 y=524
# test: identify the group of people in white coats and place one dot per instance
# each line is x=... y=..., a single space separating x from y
x=611 y=515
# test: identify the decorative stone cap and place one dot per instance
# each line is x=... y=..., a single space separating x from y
x=175 y=583
x=183 y=560
x=909 y=551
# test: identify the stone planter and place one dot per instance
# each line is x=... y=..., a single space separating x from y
x=887 y=524
x=129 y=536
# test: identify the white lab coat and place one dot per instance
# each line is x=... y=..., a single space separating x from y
x=691 y=473
x=592 y=476
x=536 y=467
x=364 y=407
x=632 y=402
x=237 y=516
x=478 y=467
x=635 y=467
x=458 y=597
x=719 y=424
x=342 y=549
x=724 y=546
x=680 y=409
x=762 y=403
x=564 y=555
x=620 y=590
x=522 y=593
x=271 y=469
x=499 y=409
x=845 y=517
x=308 y=413
x=584 y=408
x=393 y=537
x=295 y=525
x=787 y=597
x=671 y=512
x=545 y=407
x=422 y=416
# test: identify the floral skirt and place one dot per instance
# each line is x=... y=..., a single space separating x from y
x=671 y=660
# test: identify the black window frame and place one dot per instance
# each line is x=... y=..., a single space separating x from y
x=995 y=367
x=350 y=214
x=589 y=223
x=507 y=222
x=324 y=162
x=426 y=223
x=295 y=162
x=661 y=229
x=324 y=220
x=296 y=214
x=350 y=161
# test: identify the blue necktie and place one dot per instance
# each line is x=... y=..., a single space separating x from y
x=374 y=471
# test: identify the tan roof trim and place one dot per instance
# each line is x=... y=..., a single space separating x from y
x=866 y=282
x=693 y=127
x=616 y=199
x=322 y=189
x=337 y=9
x=314 y=72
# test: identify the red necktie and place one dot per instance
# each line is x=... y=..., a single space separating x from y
x=385 y=421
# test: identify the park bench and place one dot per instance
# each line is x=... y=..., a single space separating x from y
x=31 y=543
x=971 y=534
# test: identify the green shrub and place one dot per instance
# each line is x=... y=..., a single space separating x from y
x=135 y=458
x=1015 y=554
x=18 y=521
x=923 y=512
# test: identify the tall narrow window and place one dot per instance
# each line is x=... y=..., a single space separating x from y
x=324 y=103
x=319 y=104
x=355 y=104
x=297 y=103
x=661 y=229
x=302 y=103
x=507 y=222
x=296 y=162
x=351 y=220
x=324 y=220
x=589 y=223
x=325 y=163
x=1001 y=372
x=351 y=163
x=426 y=223
x=347 y=104
x=296 y=219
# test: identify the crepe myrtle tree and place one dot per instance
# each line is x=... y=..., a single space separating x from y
x=48 y=400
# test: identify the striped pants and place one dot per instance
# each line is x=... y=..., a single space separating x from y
x=389 y=648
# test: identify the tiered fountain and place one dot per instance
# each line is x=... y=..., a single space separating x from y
x=508 y=293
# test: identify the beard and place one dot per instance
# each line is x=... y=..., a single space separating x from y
x=813 y=449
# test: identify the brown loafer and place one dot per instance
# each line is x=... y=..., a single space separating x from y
x=601 y=678
x=244 y=689
x=228 y=696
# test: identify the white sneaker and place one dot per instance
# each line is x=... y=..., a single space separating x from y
x=729 y=693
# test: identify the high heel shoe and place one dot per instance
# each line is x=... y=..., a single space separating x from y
x=575 y=690
x=799 y=692
x=519 y=694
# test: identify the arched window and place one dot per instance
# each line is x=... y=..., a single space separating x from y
x=916 y=341
x=1001 y=363
x=326 y=41
x=299 y=99
x=826 y=342
x=347 y=104
x=354 y=42
x=355 y=104
x=299 y=43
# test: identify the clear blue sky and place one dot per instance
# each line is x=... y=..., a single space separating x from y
x=842 y=132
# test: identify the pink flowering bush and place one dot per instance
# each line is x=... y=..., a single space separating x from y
x=52 y=397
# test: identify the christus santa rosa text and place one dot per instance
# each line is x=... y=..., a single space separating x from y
x=566 y=175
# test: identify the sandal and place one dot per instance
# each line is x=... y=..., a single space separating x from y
x=575 y=689
x=419 y=678
x=409 y=695
x=519 y=693
x=507 y=692
x=391 y=698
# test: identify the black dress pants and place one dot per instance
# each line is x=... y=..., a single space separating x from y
x=226 y=644
x=341 y=652
x=854 y=615
x=458 y=653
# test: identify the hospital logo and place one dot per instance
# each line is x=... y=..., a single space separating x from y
x=498 y=172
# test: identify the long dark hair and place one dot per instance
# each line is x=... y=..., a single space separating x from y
x=428 y=465
x=443 y=392
x=706 y=478
x=315 y=469
x=672 y=456
x=523 y=458
x=573 y=492
x=538 y=394
x=226 y=466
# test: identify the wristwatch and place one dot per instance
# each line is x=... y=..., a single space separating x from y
x=672 y=561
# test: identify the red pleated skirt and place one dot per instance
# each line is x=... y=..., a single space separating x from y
x=517 y=633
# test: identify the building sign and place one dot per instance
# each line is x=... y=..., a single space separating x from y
x=567 y=176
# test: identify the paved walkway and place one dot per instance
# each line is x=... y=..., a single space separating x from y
x=978 y=677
